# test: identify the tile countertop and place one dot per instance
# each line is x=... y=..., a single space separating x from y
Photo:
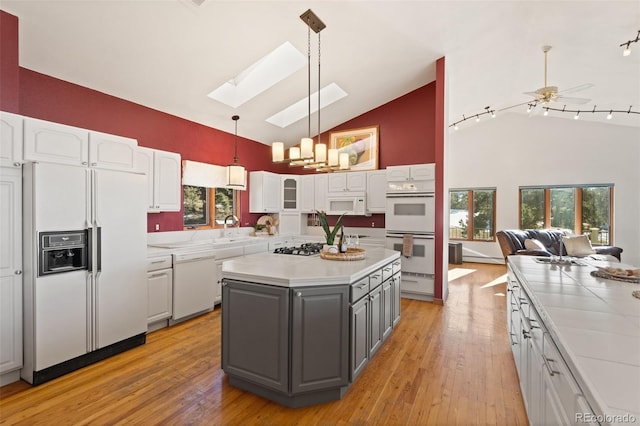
x=300 y=271
x=595 y=323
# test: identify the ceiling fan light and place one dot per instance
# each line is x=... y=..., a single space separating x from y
x=575 y=117
x=610 y=115
x=627 y=50
x=493 y=114
x=546 y=112
x=529 y=108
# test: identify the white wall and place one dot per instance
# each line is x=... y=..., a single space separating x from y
x=514 y=150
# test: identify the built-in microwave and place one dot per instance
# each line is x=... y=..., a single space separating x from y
x=353 y=204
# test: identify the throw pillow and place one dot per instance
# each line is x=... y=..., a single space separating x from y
x=533 y=244
x=578 y=245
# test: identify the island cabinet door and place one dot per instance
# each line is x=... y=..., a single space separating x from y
x=319 y=338
x=359 y=336
x=255 y=336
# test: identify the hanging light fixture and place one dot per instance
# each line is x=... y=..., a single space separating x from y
x=236 y=176
x=308 y=154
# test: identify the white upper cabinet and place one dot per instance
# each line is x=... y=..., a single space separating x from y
x=290 y=193
x=307 y=193
x=411 y=172
x=58 y=143
x=163 y=179
x=320 y=193
x=55 y=143
x=264 y=192
x=112 y=152
x=376 y=191
x=347 y=181
x=10 y=139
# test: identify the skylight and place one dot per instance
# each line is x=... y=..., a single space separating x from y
x=328 y=95
x=263 y=74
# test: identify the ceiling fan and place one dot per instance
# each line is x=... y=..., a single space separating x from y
x=548 y=94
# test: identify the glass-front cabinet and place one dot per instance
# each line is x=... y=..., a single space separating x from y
x=290 y=193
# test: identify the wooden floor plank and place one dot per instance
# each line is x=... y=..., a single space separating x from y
x=442 y=365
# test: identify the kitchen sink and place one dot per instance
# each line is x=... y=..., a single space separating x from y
x=183 y=244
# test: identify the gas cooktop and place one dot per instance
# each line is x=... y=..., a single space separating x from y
x=306 y=249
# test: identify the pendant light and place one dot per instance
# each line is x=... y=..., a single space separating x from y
x=236 y=176
x=307 y=154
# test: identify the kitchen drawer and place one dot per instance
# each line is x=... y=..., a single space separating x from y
x=396 y=266
x=375 y=279
x=225 y=253
x=387 y=271
x=561 y=378
x=157 y=263
x=359 y=289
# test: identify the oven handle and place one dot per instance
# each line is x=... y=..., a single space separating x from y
x=411 y=195
x=415 y=236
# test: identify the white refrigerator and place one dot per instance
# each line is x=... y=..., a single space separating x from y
x=75 y=318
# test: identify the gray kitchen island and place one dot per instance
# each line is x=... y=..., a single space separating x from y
x=299 y=330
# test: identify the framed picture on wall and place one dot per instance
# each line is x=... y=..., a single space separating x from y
x=361 y=145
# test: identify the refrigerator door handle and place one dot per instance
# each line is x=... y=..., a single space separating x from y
x=99 y=249
x=89 y=250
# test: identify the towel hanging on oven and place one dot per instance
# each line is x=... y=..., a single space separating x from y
x=407 y=245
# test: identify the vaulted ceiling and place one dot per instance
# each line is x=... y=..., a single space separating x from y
x=169 y=54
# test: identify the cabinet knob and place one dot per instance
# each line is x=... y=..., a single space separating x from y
x=17 y=164
x=94 y=164
x=18 y=272
x=298 y=294
x=84 y=163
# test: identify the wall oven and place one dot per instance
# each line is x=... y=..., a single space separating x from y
x=412 y=212
x=422 y=253
x=62 y=251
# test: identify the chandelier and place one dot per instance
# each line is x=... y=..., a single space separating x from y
x=307 y=155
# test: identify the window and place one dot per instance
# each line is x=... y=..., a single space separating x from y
x=199 y=211
x=479 y=204
x=584 y=209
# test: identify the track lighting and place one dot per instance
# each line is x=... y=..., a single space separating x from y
x=546 y=109
x=487 y=110
x=627 y=50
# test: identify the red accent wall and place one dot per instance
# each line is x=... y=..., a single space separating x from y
x=9 y=74
x=49 y=98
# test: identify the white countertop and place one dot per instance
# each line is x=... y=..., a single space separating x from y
x=596 y=324
x=303 y=271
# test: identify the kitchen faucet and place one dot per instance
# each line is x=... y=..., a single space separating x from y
x=235 y=223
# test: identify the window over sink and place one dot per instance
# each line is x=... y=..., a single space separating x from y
x=208 y=207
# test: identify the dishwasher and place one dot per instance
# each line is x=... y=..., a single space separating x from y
x=194 y=284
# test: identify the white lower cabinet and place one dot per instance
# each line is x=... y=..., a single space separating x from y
x=551 y=394
x=159 y=289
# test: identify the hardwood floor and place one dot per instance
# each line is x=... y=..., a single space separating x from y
x=444 y=365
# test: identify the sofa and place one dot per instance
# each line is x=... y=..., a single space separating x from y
x=547 y=242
